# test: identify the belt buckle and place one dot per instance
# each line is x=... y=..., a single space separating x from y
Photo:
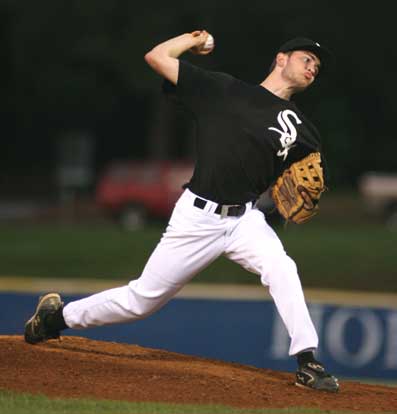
x=225 y=209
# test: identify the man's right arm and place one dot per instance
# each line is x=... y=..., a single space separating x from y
x=163 y=58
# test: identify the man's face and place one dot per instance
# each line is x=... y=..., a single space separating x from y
x=300 y=68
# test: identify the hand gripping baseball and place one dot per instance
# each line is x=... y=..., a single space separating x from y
x=205 y=43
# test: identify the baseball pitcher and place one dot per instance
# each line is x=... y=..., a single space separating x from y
x=250 y=138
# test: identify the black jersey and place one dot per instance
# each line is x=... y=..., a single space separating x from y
x=246 y=136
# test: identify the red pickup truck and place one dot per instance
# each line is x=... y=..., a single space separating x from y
x=134 y=191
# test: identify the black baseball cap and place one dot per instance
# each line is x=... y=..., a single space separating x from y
x=303 y=43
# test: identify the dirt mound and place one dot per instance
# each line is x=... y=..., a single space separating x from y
x=78 y=367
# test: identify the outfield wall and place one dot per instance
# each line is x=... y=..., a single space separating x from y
x=357 y=331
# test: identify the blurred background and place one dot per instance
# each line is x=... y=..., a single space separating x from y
x=77 y=94
x=92 y=158
x=87 y=134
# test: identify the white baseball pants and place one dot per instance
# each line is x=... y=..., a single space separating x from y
x=193 y=239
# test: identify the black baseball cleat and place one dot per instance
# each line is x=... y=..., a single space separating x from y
x=313 y=375
x=38 y=328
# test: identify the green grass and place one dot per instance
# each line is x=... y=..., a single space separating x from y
x=360 y=257
x=15 y=403
x=357 y=256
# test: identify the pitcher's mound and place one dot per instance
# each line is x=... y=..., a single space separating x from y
x=78 y=367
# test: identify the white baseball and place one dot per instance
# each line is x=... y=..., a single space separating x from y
x=209 y=43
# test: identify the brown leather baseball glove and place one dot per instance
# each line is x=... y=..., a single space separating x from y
x=297 y=191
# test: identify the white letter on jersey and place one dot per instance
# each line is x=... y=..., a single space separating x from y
x=288 y=133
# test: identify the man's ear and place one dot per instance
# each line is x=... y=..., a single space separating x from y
x=281 y=59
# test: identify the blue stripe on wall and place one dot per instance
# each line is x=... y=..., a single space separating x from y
x=354 y=342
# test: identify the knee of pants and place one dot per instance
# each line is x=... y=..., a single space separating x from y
x=140 y=307
x=143 y=302
x=280 y=269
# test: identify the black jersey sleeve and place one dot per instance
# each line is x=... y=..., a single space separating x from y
x=197 y=88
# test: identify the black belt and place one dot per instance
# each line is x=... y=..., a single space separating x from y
x=224 y=210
